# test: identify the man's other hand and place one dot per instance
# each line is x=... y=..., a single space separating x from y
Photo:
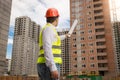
x=55 y=74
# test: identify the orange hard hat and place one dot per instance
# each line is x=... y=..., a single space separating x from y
x=52 y=12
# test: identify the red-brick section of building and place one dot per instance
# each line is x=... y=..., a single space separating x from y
x=92 y=49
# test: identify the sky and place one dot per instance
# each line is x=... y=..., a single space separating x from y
x=36 y=9
x=115 y=10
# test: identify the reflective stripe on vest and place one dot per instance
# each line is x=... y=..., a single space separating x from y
x=55 y=55
x=55 y=48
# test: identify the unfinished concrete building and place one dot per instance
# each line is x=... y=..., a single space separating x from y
x=25 y=47
x=5 y=12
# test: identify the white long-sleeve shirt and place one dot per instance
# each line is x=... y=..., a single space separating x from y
x=49 y=36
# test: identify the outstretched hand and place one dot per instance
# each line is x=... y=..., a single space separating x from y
x=68 y=35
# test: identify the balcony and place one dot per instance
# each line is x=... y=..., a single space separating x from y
x=97 y=1
x=99 y=26
x=103 y=61
x=99 y=20
x=99 y=40
x=101 y=46
x=102 y=66
x=100 y=36
x=98 y=13
x=100 y=33
x=100 y=29
x=101 y=53
x=99 y=23
x=98 y=8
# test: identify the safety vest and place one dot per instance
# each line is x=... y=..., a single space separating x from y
x=56 y=50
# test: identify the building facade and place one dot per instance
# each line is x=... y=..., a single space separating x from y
x=5 y=11
x=7 y=66
x=116 y=37
x=91 y=48
x=65 y=47
x=25 y=47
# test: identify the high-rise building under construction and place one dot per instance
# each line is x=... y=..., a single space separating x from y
x=65 y=47
x=116 y=30
x=92 y=49
x=25 y=47
x=5 y=12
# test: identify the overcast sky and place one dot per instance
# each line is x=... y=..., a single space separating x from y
x=36 y=9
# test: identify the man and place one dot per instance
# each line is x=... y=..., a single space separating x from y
x=49 y=60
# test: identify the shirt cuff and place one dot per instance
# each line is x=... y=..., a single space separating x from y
x=62 y=37
x=53 y=67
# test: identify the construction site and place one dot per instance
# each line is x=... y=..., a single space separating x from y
x=92 y=52
x=74 y=77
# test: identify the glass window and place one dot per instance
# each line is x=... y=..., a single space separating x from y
x=83 y=58
x=81 y=26
x=90 y=37
x=83 y=51
x=74 y=45
x=88 y=6
x=89 y=12
x=92 y=65
x=89 y=18
x=91 y=51
x=89 y=31
x=82 y=38
x=82 y=45
x=89 y=24
x=81 y=32
x=90 y=44
x=91 y=58
x=83 y=65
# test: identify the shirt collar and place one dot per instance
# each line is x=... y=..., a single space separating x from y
x=51 y=25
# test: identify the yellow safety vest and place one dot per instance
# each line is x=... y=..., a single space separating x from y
x=56 y=50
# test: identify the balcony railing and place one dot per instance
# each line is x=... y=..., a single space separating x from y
x=103 y=61
x=101 y=53
x=103 y=68
x=98 y=8
x=98 y=13
x=101 y=46
x=97 y=1
x=100 y=33
x=100 y=26
x=99 y=40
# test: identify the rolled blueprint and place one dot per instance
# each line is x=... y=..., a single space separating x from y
x=73 y=26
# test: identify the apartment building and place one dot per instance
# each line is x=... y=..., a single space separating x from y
x=65 y=47
x=25 y=47
x=91 y=47
x=7 y=66
x=5 y=11
x=116 y=37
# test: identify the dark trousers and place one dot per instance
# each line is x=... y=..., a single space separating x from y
x=44 y=72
